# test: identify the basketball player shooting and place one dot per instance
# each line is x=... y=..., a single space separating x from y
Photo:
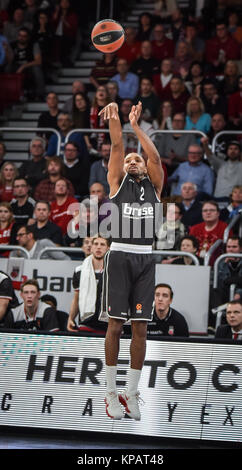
x=129 y=275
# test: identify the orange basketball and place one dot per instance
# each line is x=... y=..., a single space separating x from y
x=107 y=36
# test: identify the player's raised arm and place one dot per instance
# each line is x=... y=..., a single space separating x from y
x=116 y=161
x=154 y=167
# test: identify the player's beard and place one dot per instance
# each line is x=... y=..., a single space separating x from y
x=136 y=173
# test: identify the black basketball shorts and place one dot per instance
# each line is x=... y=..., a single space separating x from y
x=128 y=285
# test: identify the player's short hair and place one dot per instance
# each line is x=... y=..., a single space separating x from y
x=30 y=282
x=167 y=286
x=98 y=235
x=234 y=302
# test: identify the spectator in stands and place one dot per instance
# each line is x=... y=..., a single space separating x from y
x=166 y=320
x=128 y=82
x=112 y=89
x=145 y=25
x=195 y=78
x=191 y=206
x=221 y=48
x=4 y=15
x=213 y=12
x=233 y=329
x=27 y=239
x=172 y=230
x=27 y=60
x=164 y=10
x=213 y=102
x=85 y=224
x=81 y=115
x=182 y=60
x=65 y=125
x=65 y=25
x=76 y=169
x=11 y=28
x=235 y=106
x=162 y=46
x=230 y=269
x=86 y=303
x=61 y=315
x=60 y=213
x=98 y=190
x=229 y=172
x=188 y=244
x=77 y=86
x=178 y=26
x=196 y=118
x=178 y=95
x=45 y=190
x=164 y=116
x=32 y=314
x=234 y=26
x=150 y=103
x=33 y=170
x=234 y=207
x=2 y=153
x=6 y=226
x=229 y=84
x=130 y=50
x=22 y=204
x=124 y=110
x=100 y=100
x=162 y=80
x=173 y=148
x=195 y=171
x=103 y=70
x=194 y=41
x=6 y=55
x=43 y=34
x=210 y=230
x=87 y=246
x=218 y=124
x=8 y=298
x=42 y=225
x=49 y=118
x=30 y=10
x=99 y=169
x=8 y=173
x=146 y=65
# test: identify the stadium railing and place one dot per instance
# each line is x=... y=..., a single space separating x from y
x=14 y=247
x=35 y=129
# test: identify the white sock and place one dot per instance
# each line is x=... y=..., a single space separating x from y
x=111 y=372
x=133 y=381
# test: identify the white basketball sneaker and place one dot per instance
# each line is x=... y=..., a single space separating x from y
x=113 y=408
x=131 y=404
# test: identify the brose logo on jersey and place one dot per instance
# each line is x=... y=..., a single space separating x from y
x=134 y=210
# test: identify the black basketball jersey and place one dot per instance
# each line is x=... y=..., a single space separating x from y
x=133 y=213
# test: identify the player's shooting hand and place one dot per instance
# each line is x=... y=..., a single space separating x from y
x=109 y=112
x=135 y=113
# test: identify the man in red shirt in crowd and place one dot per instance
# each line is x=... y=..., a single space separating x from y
x=178 y=95
x=45 y=190
x=221 y=48
x=210 y=230
x=59 y=213
x=162 y=47
x=130 y=50
x=235 y=105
